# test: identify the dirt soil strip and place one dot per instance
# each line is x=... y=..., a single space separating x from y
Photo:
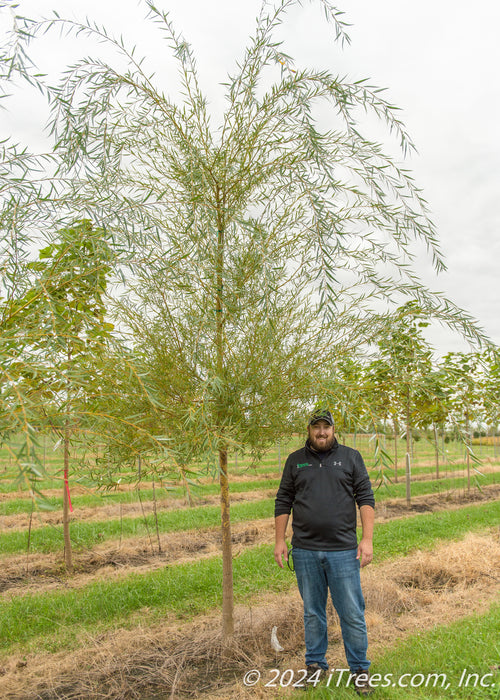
x=36 y=573
x=403 y=596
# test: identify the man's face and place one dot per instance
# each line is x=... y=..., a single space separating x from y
x=321 y=435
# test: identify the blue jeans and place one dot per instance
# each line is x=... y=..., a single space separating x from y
x=338 y=571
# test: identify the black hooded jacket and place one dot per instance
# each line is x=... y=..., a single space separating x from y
x=322 y=489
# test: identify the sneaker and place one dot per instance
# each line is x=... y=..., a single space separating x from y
x=361 y=681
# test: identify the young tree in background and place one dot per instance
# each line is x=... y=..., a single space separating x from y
x=21 y=193
x=491 y=362
x=405 y=350
x=63 y=321
x=465 y=397
x=382 y=395
x=433 y=406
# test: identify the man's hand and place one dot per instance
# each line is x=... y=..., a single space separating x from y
x=280 y=549
x=280 y=553
x=365 y=551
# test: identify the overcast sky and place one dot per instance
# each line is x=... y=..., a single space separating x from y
x=438 y=60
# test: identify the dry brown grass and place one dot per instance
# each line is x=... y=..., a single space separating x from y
x=189 y=660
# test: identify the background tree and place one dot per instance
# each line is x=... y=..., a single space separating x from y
x=348 y=385
x=383 y=397
x=27 y=208
x=491 y=362
x=433 y=407
x=64 y=314
x=465 y=398
x=406 y=352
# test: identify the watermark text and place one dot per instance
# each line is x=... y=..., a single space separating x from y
x=342 y=677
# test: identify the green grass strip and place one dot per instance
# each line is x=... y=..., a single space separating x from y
x=400 y=536
x=423 y=487
x=455 y=661
x=16 y=506
x=86 y=534
x=53 y=619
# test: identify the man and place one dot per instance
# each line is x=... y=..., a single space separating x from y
x=322 y=483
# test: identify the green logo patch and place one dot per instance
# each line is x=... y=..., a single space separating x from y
x=305 y=464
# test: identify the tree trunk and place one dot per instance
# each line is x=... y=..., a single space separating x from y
x=68 y=556
x=467 y=432
x=227 y=558
x=155 y=512
x=396 y=435
x=408 y=479
x=436 y=446
x=408 y=454
x=443 y=449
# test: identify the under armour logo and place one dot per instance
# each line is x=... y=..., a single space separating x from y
x=336 y=464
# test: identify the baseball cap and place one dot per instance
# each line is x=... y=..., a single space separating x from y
x=321 y=415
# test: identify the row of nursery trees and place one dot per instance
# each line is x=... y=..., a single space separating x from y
x=177 y=292
x=404 y=390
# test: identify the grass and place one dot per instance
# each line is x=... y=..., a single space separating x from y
x=455 y=661
x=401 y=536
x=422 y=487
x=85 y=534
x=17 y=506
x=52 y=620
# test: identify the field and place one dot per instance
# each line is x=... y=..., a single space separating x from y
x=140 y=615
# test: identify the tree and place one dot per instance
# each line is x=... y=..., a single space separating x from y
x=258 y=245
x=465 y=397
x=491 y=362
x=54 y=370
x=25 y=191
x=382 y=390
x=63 y=316
x=406 y=352
x=433 y=406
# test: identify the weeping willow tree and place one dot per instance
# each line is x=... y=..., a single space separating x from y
x=258 y=244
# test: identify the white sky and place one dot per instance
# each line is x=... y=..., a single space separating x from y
x=439 y=60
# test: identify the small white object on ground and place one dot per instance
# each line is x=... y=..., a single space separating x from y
x=274 y=640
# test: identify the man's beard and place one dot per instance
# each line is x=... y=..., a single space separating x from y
x=323 y=446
